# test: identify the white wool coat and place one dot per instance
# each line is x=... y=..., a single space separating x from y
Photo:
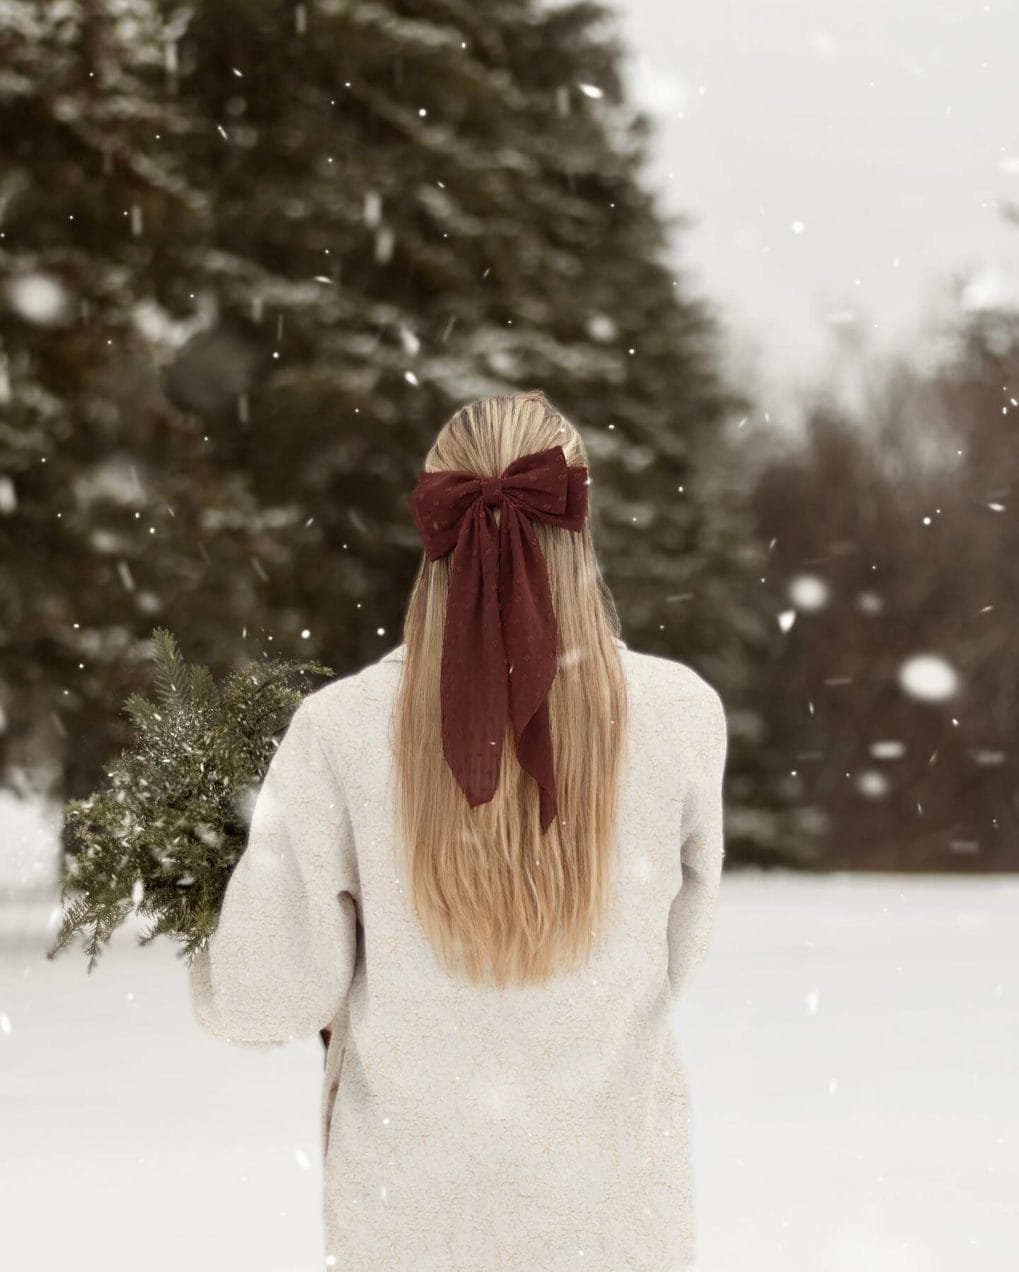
x=469 y=1127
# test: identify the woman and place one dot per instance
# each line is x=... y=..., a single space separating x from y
x=486 y=865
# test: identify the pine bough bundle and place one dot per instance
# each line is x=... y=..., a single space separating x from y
x=164 y=835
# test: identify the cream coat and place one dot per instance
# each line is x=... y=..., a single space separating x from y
x=465 y=1127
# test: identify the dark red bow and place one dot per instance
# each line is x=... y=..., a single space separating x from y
x=500 y=639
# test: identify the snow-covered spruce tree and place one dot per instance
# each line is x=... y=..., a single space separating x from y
x=422 y=206
x=111 y=512
x=338 y=222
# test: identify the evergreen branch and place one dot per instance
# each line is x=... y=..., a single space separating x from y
x=164 y=834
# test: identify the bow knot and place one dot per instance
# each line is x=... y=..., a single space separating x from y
x=499 y=613
x=491 y=491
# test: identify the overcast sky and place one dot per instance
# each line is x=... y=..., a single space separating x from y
x=837 y=158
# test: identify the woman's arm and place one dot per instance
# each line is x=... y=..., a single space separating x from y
x=279 y=965
x=691 y=918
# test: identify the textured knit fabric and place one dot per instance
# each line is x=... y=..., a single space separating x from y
x=470 y=1127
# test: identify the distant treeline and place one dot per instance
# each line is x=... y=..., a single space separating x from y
x=894 y=571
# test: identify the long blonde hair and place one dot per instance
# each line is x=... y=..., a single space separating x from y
x=495 y=897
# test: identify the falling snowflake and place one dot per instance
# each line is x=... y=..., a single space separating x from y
x=929 y=677
x=871 y=783
x=808 y=592
x=38 y=298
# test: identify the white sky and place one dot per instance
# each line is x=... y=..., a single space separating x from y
x=890 y=131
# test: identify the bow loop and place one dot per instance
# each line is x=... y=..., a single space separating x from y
x=499 y=613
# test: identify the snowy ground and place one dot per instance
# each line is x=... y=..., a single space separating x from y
x=851 y=1045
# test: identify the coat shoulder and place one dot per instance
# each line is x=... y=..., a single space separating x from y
x=369 y=686
x=677 y=679
x=679 y=703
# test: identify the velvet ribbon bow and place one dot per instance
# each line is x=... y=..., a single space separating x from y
x=499 y=653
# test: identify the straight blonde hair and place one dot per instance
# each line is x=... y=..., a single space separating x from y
x=496 y=898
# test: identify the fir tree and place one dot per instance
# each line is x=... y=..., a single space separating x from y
x=358 y=216
x=448 y=203
x=111 y=512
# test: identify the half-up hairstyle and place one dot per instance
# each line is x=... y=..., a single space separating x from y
x=498 y=899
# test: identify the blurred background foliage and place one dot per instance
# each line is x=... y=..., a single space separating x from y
x=254 y=255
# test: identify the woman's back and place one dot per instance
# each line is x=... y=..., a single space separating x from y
x=541 y=1126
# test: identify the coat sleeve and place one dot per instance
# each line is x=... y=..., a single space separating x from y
x=691 y=917
x=279 y=965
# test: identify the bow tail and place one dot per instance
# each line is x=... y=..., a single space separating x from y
x=534 y=751
x=530 y=636
x=473 y=680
